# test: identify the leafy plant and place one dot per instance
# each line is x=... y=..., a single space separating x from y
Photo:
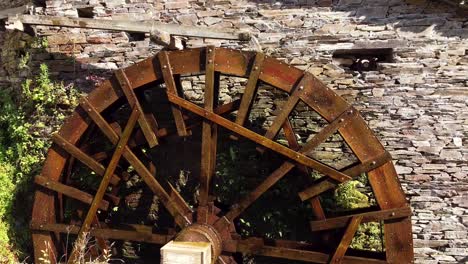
x=27 y=116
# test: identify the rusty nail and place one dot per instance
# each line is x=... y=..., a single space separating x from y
x=393 y=214
x=165 y=66
x=210 y=61
x=373 y=163
x=341 y=120
x=256 y=68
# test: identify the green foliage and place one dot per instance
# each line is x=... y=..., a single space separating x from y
x=26 y=119
x=353 y=195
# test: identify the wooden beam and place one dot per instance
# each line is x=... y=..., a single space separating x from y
x=288 y=107
x=209 y=129
x=283 y=252
x=346 y=240
x=134 y=103
x=106 y=179
x=325 y=184
x=71 y=149
x=106 y=233
x=129 y=26
x=250 y=90
x=68 y=191
x=171 y=88
x=13 y=11
x=376 y=216
x=268 y=143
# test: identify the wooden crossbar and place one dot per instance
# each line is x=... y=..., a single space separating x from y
x=382 y=215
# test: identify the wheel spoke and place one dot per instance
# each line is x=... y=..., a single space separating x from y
x=175 y=209
x=106 y=179
x=293 y=144
x=303 y=86
x=146 y=125
x=250 y=90
x=168 y=77
x=268 y=143
x=209 y=129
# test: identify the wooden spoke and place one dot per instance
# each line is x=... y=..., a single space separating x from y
x=69 y=191
x=258 y=248
x=74 y=151
x=144 y=122
x=106 y=178
x=250 y=90
x=107 y=233
x=288 y=107
x=325 y=184
x=168 y=76
x=293 y=144
x=346 y=240
x=175 y=209
x=268 y=143
x=209 y=130
x=375 y=216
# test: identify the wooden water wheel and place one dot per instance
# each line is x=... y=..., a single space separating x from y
x=107 y=149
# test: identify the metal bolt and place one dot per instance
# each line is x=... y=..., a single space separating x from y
x=210 y=50
x=210 y=61
x=89 y=109
x=351 y=111
x=165 y=67
x=256 y=68
x=393 y=213
x=341 y=120
x=373 y=163
x=301 y=87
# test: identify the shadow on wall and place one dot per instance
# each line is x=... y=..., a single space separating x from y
x=409 y=19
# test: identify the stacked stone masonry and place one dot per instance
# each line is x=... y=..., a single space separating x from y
x=417 y=103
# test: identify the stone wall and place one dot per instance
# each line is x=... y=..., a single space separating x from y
x=417 y=102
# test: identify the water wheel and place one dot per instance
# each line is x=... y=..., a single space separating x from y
x=118 y=170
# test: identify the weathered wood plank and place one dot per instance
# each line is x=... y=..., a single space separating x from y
x=346 y=240
x=69 y=191
x=130 y=26
x=250 y=89
x=134 y=103
x=106 y=233
x=209 y=129
x=171 y=87
x=376 y=216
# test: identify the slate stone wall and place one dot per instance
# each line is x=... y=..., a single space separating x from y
x=417 y=102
